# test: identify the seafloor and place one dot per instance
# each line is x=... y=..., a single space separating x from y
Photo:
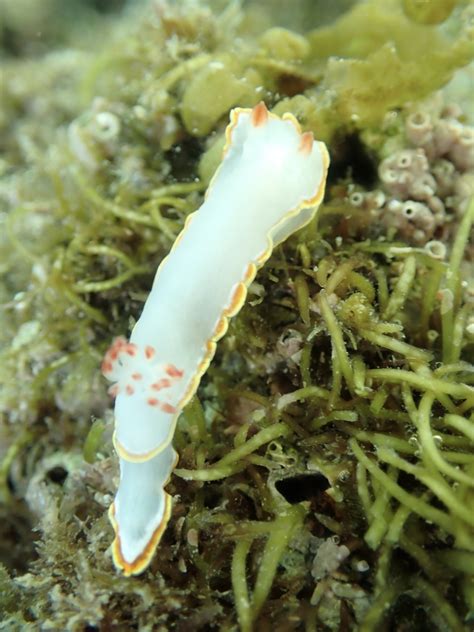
x=326 y=467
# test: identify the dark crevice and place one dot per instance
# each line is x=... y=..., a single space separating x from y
x=350 y=158
x=302 y=487
x=57 y=475
x=184 y=157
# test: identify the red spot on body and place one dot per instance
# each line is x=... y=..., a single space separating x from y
x=112 y=354
x=172 y=371
x=129 y=389
x=131 y=349
x=117 y=344
x=149 y=352
x=168 y=408
x=137 y=376
x=152 y=401
x=163 y=383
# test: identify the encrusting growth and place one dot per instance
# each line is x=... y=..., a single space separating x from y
x=269 y=185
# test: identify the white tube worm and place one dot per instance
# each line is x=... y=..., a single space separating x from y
x=269 y=184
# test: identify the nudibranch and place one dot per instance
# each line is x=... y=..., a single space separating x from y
x=269 y=184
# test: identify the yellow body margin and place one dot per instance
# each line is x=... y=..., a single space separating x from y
x=238 y=297
x=140 y=563
x=240 y=290
x=143 y=560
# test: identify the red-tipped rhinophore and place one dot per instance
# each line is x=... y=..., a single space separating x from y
x=306 y=143
x=259 y=114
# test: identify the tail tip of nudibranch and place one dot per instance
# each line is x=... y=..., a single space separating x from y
x=259 y=114
x=306 y=143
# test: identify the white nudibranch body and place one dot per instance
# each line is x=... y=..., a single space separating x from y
x=269 y=184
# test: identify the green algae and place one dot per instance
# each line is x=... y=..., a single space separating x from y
x=428 y=12
x=339 y=403
x=223 y=76
x=380 y=61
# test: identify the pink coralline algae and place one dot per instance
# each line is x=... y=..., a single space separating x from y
x=426 y=184
x=445 y=137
